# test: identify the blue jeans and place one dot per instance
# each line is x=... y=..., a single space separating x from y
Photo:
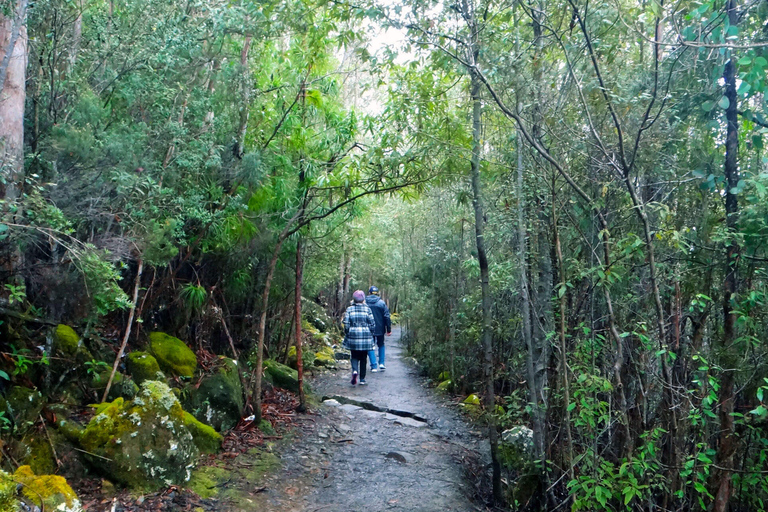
x=382 y=352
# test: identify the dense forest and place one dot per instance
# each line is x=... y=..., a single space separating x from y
x=565 y=204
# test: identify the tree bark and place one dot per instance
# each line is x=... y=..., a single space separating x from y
x=297 y=320
x=13 y=67
x=477 y=203
x=722 y=488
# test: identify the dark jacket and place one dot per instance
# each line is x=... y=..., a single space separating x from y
x=380 y=315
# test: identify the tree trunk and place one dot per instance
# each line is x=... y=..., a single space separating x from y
x=245 y=107
x=477 y=203
x=722 y=488
x=297 y=320
x=13 y=67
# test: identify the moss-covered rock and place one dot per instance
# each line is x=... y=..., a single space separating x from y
x=143 y=366
x=445 y=386
x=444 y=376
x=122 y=386
x=205 y=437
x=281 y=376
x=172 y=354
x=51 y=492
x=325 y=358
x=8 y=501
x=266 y=427
x=145 y=443
x=66 y=339
x=218 y=400
x=40 y=456
x=23 y=405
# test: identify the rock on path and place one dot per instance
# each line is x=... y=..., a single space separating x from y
x=354 y=459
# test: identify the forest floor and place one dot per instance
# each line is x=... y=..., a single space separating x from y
x=421 y=456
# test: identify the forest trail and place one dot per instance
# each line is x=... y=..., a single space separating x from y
x=350 y=458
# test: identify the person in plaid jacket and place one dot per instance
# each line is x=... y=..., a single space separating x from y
x=358 y=326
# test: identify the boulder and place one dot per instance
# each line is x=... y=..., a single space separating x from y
x=516 y=448
x=148 y=442
x=218 y=400
x=49 y=492
x=23 y=405
x=122 y=386
x=172 y=354
x=143 y=366
x=66 y=340
x=281 y=376
x=445 y=386
x=444 y=376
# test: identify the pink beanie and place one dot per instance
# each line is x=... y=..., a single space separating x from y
x=359 y=296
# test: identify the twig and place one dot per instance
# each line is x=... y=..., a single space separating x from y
x=127 y=330
x=53 y=448
x=91 y=454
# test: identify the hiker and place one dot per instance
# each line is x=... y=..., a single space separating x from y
x=358 y=326
x=383 y=325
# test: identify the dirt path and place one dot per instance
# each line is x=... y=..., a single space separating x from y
x=354 y=459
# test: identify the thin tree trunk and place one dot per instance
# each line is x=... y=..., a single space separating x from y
x=723 y=484
x=13 y=67
x=127 y=331
x=563 y=343
x=245 y=107
x=297 y=321
x=477 y=202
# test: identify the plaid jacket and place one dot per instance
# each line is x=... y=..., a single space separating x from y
x=358 y=325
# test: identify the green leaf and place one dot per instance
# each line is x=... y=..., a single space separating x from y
x=4 y=375
x=724 y=103
x=707 y=106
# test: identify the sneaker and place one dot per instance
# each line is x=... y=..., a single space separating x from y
x=382 y=367
x=362 y=382
x=354 y=378
x=374 y=370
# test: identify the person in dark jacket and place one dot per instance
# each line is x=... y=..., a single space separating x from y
x=383 y=326
x=358 y=326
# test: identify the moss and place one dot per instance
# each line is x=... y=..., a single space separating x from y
x=218 y=399
x=281 y=376
x=325 y=357
x=8 y=501
x=172 y=354
x=23 y=405
x=472 y=400
x=143 y=366
x=49 y=491
x=41 y=457
x=445 y=386
x=143 y=443
x=307 y=356
x=206 y=438
x=266 y=427
x=206 y=480
x=444 y=376
x=67 y=339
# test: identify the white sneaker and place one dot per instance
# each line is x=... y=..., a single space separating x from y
x=374 y=370
x=382 y=367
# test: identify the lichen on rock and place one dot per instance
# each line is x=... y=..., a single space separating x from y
x=51 y=492
x=144 y=443
x=143 y=366
x=8 y=501
x=172 y=354
x=23 y=405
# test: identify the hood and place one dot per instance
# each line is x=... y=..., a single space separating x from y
x=372 y=299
